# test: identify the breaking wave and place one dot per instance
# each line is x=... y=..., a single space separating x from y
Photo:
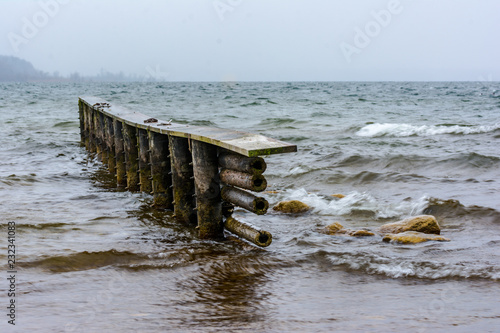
x=408 y=267
x=356 y=203
x=404 y=130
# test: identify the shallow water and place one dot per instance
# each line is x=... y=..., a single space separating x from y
x=92 y=258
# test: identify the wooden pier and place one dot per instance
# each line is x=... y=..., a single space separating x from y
x=200 y=173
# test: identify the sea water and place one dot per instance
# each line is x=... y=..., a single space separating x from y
x=92 y=258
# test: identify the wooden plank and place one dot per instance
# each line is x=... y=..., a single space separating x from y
x=244 y=143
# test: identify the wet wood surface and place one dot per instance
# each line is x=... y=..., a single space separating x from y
x=244 y=143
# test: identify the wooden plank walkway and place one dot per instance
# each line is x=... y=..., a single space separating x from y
x=244 y=143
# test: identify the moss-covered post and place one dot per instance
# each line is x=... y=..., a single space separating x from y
x=144 y=167
x=110 y=143
x=102 y=138
x=182 y=179
x=238 y=197
x=86 y=126
x=257 y=236
x=252 y=182
x=207 y=189
x=121 y=172
x=160 y=170
x=81 y=115
x=251 y=165
x=91 y=130
x=131 y=157
x=97 y=134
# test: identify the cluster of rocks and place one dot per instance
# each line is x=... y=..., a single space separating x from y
x=412 y=230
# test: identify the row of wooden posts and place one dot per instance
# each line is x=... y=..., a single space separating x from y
x=200 y=173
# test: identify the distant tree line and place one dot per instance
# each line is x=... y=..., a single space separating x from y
x=13 y=69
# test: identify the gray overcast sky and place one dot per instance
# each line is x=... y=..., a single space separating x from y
x=263 y=40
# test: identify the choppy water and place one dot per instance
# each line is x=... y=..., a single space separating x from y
x=94 y=259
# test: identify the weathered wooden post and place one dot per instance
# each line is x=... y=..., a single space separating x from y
x=160 y=170
x=110 y=143
x=257 y=205
x=91 y=130
x=131 y=157
x=207 y=188
x=97 y=135
x=144 y=165
x=182 y=179
x=86 y=129
x=256 y=183
x=81 y=115
x=121 y=171
x=251 y=165
x=102 y=138
x=88 y=132
x=248 y=232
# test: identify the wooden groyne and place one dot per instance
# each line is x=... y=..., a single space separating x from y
x=200 y=173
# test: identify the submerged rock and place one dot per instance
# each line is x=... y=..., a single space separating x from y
x=413 y=237
x=338 y=229
x=359 y=233
x=291 y=207
x=333 y=228
x=338 y=196
x=426 y=224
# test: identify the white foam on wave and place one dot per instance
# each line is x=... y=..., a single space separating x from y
x=404 y=130
x=427 y=270
x=399 y=268
x=356 y=201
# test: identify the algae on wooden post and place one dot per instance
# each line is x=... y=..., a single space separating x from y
x=110 y=143
x=81 y=117
x=182 y=179
x=257 y=205
x=91 y=130
x=101 y=132
x=96 y=135
x=251 y=165
x=121 y=172
x=248 y=232
x=131 y=157
x=144 y=167
x=207 y=189
x=87 y=116
x=160 y=170
x=256 y=183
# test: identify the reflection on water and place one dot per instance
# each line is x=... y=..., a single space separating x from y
x=228 y=290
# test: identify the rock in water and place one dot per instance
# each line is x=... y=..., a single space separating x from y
x=333 y=228
x=426 y=224
x=338 y=229
x=291 y=207
x=413 y=237
x=359 y=233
